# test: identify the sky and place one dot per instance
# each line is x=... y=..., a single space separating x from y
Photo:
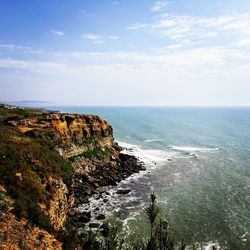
x=126 y=52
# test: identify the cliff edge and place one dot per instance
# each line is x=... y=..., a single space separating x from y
x=49 y=164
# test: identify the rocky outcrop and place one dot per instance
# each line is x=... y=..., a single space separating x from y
x=87 y=142
x=58 y=203
x=73 y=133
x=20 y=234
x=93 y=173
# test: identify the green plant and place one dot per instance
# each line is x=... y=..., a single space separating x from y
x=114 y=237
x=26 y=163
x=96 y=152
x=111 y=237
x=161 y=238
x=17 y=113
x=152 y=211
x=2 y=198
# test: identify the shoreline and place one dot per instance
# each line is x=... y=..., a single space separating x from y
x=93 y=206
x=95 y=203
x=99 y=177
x=79 y=155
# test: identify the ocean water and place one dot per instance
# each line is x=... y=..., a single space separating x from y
x=198 y=163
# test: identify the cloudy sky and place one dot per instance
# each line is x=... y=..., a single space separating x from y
x=125 y=52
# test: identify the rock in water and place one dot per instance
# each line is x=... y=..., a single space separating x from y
x=100 y=217
x=94 y=225
x=123 y=191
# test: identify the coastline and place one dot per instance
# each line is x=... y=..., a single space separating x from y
x=93 y=199
x=86 y=145
x=181 y=163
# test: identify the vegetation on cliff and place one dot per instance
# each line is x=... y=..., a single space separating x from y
x=20 y=234
x=25 y=166
x=49 y=164
x=96 y=152
x=11 y=113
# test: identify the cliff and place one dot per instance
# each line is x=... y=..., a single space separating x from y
x=73 y=134
x=20 y=234
x=50 y=163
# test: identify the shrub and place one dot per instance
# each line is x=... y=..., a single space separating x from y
x=25 y=165
x=114 y=237
x=96 y=152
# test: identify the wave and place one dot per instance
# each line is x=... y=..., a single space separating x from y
x=193 y=149
x=152 y=140
x=129 y=206
x=154 y=157
x=148 y=156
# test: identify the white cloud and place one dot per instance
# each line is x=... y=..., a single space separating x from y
x=14 y=46
x=179 y=76
x=173 y=46
x=159 y=5
x=113 y=37
x=94 y=38
x=193 y=28
x=32 y=66
x=20 y=49
x=57 y=32
x=98 y=39
x=170 y=56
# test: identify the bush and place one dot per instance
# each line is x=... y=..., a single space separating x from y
x=2 y=198
x=17 y=113
x=25 y=165
x=96 y=152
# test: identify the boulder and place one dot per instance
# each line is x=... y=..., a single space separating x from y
x=123 y=191
x=84 y=217
x=100 y=217
x=94 y=225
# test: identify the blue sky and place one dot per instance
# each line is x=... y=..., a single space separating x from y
x=81 y=52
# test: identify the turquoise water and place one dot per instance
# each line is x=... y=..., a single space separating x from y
x=201 y=173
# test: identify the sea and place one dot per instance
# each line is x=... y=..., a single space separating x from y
x=198 y=165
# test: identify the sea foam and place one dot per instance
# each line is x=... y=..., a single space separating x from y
x=148 y=156
x=193 y=149
x=152 y=140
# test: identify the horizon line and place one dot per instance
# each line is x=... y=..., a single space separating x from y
x=54 y=104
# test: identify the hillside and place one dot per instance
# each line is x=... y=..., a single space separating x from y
x=50 y=163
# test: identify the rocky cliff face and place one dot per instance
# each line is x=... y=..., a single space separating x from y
x=73 y=133
x=84 y=141
x=19 y=234
x=58 y=204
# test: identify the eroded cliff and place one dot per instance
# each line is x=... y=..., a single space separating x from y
x=50 y=163
x=73 y=134
x=19 y=233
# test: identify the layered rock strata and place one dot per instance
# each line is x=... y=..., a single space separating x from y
x=73 y=133
x=87 y=142
x=20 y=234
